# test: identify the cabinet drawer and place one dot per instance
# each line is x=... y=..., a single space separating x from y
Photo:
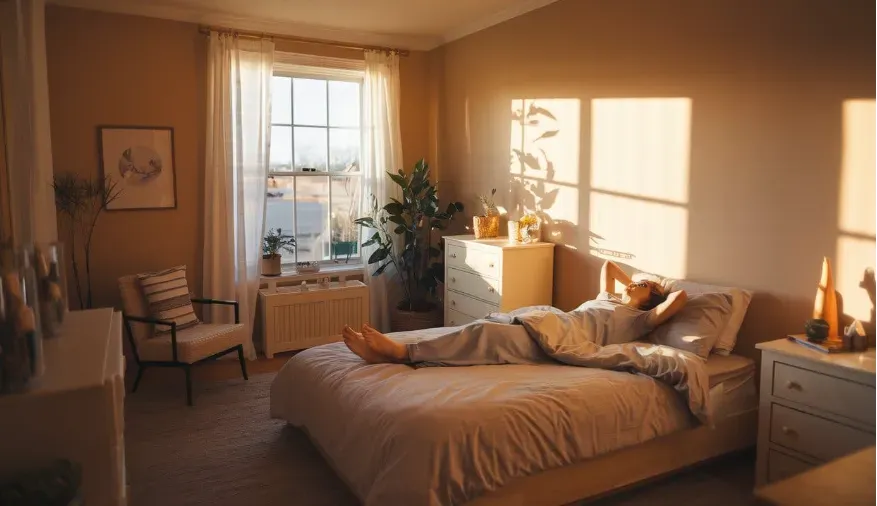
x=482 y=262
x=834 y=395
x=474 y=285
x=468 y=305
x=813 y=435
x=781 y=466
x=456 y=319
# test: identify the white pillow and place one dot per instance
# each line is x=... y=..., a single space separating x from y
x=697 y=326
x=740 y=300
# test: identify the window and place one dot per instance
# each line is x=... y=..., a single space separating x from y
x=314 y=182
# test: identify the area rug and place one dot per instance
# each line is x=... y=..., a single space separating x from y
x=226 y=451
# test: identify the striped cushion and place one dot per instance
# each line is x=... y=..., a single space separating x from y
x=167 y=295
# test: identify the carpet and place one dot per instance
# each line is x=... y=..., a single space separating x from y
x=226 y=451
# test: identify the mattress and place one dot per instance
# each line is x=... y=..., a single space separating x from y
x=732 y=385
x=446 y=435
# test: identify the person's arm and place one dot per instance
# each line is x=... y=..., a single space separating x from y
x=609 y=274
x=665 y=310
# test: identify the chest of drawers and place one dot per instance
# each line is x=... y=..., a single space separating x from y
x=814 y=407
x=489 y=275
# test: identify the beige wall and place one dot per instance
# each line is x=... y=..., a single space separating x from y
x=710 y=140
x=109 y=69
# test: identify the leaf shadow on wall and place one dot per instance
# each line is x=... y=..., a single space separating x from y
x=534 y=187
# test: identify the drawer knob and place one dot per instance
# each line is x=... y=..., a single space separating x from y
x=490 y=265
x=793 y=385
x=490 y=289
x=789 y=431
x=453 y=255
x=453 y=303
x=453 y=280
x=453 y=322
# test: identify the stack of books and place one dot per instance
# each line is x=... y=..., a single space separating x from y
x=830 y=345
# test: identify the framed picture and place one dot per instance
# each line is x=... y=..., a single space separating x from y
x=140 y=161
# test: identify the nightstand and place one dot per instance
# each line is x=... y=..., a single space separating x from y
x=814 y=407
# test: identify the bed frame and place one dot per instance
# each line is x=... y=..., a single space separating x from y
x=627 y=467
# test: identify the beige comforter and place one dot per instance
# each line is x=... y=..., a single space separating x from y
x=445 y=435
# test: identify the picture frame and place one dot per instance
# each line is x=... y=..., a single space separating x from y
x=140 y=161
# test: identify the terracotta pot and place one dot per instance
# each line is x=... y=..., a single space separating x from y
x=486 y=227
x=271 y=266
x=401 y=320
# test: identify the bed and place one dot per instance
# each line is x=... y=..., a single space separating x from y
x=545 y=434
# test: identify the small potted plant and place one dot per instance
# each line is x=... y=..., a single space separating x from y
x=344 y=237
x=272 y=244
x=487 y=226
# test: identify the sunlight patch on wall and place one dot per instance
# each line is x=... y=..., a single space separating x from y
x=544 y=162
x=858 y=167
x=641 y=146
x=856 y=218
x=650 y=235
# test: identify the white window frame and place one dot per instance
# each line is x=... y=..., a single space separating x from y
x=328 y=69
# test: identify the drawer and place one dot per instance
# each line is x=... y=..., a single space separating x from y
x=472 y=259
x=474 y=285
x=834 y=395
x=456 y=318
x=813 y=435
x=781 y=466
x=468 y=306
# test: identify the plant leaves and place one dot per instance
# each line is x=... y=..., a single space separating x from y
x=549 y=198
x=399 y=220
x=380 y=270
x=401 y=228
x=374 y=239
x=548 y=134
x=399 y=180
x=394 y=208
x=378 y=255
x=366 y=222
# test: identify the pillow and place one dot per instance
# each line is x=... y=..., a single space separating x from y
x=739 y=304
x=167 y=297
x=697 y=326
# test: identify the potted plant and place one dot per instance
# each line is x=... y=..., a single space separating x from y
x=273 y=242
x=487 y=226
x=416 y=261
x=343 y=237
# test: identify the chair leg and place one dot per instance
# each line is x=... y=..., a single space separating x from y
x=188 y=370
x=242 y=361
x=140 y=369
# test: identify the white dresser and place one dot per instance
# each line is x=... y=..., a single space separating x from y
x=75 y=411
x=815 y=407
x=488 y=275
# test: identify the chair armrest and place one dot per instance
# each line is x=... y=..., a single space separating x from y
x=234 y=303
x=154 y=321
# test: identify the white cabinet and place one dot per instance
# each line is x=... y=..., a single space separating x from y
x=815 y=407
x=75 y=411
x=489 y=275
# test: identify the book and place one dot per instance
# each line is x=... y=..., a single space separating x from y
x=830 y=345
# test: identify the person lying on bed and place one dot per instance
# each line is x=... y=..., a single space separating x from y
x=608 y=319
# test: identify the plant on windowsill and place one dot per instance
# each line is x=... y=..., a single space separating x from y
x=343 y=237
x=273 y=243
x=487 y=226
x=417 y=262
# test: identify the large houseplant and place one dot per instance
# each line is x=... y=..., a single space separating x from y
x=416 y=261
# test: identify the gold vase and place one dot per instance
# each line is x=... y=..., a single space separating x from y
x=486 y=227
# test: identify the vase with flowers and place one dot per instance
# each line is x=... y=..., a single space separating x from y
x=530 y=227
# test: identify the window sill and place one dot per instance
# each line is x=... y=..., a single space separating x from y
x=290 y=275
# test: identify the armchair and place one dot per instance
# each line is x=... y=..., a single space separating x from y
x=177 y=348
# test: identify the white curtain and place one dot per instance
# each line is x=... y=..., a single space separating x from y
x=238 y=132
x=381 y=151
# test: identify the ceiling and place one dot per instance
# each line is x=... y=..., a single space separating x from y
x=408 y=24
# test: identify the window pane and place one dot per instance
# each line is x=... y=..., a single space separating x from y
x=345 y=209
x=310 y=148
x=281 y=100
x=312 y=218
x=280 y=209
x=309 y=106
x=343 y=104
x=344 y=149
x=281 y=148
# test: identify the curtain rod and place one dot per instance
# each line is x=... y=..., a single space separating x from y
x=303 y=40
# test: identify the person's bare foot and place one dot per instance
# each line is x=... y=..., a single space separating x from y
x=384 y=345
x=357 y=344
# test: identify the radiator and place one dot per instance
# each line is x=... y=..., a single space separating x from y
x=293 y=319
